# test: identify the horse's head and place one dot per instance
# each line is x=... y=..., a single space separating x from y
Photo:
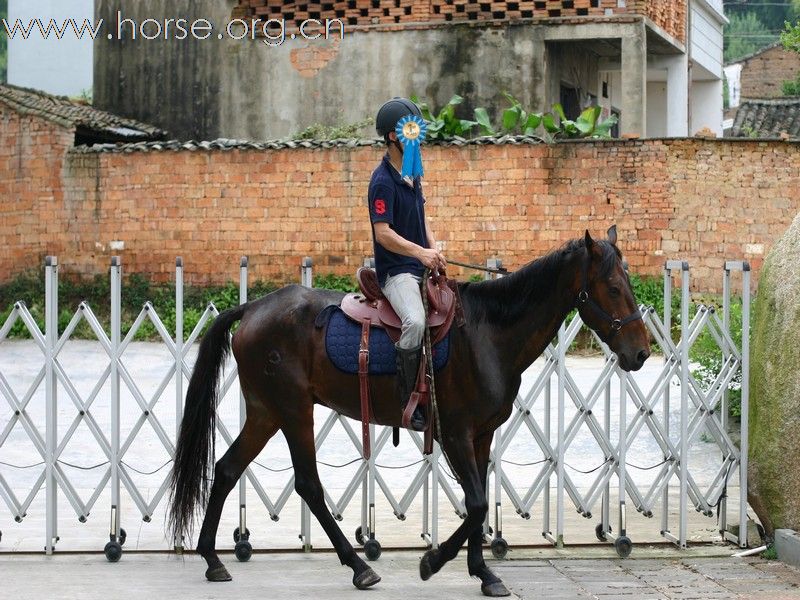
x=606 y=302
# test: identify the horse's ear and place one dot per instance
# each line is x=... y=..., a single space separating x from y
x=612 y=235
x=589 y=241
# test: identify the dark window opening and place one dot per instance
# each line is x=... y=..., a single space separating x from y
x=570 y=102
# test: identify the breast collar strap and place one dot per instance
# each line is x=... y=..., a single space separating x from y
x=584 y=299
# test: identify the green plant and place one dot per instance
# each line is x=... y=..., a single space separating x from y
x=790 y=36
x=792 y=88
x=445 y=124
x=318 y=131
x=136 y=291
x=587 y=125
x=770 y=553
x=342 y=283
x=515 y=119
x=707 y=355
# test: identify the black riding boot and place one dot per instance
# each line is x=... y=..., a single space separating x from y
x=407 y=370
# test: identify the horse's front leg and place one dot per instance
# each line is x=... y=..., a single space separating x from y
x=491 y=584
x=461 y=452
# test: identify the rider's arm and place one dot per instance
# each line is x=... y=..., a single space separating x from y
x=429 y=235
x=393 y=242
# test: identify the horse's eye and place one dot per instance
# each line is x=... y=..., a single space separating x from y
x=614 y=290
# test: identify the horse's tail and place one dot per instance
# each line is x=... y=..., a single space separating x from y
x=194 y=453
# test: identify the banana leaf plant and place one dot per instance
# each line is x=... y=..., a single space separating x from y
x=445 y=124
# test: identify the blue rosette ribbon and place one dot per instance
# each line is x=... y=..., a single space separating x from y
x=411 y=131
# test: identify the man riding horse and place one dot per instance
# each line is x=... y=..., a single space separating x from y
x=403 y=245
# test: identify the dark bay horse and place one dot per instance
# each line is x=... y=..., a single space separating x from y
x=284 y=372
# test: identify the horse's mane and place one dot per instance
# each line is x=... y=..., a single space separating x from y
x=503 y=301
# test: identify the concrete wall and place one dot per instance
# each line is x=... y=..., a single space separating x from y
x=657 y=109
x=174 y=84
x=346 y=81
x=706 y=106
x=248 y=90
x=62 y=67
x=706 y=37
x=705 y=201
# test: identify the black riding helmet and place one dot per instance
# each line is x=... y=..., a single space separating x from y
x=391 y=112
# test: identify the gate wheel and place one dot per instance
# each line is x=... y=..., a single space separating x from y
x=113 y=551
x=623 y=545
x=499 y=547
x=243 y=550
x=237 y=537
x=372 y=549
x=600 y=533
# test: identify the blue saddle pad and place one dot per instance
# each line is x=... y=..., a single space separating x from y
x=343 y=337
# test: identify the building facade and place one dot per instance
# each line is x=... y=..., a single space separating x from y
x=656 y=64
x=760 y=76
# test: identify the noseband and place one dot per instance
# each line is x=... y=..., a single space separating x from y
x=584 y=299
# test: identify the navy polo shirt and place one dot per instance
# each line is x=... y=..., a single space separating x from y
x=393 y=201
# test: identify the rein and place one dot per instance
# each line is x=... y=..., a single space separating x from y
x=500 y=271
x=584 y=299
x=428 y=358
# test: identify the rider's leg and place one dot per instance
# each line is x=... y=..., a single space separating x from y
x=403 y=293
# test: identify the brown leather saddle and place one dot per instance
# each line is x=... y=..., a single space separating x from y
x=370 y=304
x=371 y=308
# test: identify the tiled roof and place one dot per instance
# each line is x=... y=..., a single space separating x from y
x=768 y=118
x=226 y=144
x=90 y=123
x=754 y=54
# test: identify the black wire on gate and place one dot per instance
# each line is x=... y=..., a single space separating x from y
x=647 y=468
x=146 y=472
x=347 y=464
x=5 y=464
x=606 y=461
x=530 y=464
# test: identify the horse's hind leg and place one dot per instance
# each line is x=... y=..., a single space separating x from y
x=254 y=435
x=300 y=437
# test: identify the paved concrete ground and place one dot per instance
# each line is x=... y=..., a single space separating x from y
x=318 y=575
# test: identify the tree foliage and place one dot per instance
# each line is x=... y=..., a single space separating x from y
x=771 y=13
x=745 y=34
x=791 y=36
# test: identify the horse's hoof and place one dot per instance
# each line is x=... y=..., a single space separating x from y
x=219 y=573
x=425 y=570
x=495 y=590
x=366 y=579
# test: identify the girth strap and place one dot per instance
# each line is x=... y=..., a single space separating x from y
x=363 y=380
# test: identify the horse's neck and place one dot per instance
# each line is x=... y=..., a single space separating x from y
x=525 y=340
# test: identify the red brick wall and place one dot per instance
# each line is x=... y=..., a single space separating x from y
x=764 y=74
x=704 y=201
x=668 y=14
x=31 y=157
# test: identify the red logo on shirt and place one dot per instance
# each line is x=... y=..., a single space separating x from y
x=380 y=207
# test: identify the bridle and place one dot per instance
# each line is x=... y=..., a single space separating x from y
x=584 y=300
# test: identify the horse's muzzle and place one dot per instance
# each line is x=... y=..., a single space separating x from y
x=633 y=362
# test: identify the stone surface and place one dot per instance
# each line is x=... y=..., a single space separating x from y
x=775 y=387
x=318 y=575
x=787 y=544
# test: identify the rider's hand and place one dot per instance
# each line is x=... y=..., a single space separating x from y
x=432 y=259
